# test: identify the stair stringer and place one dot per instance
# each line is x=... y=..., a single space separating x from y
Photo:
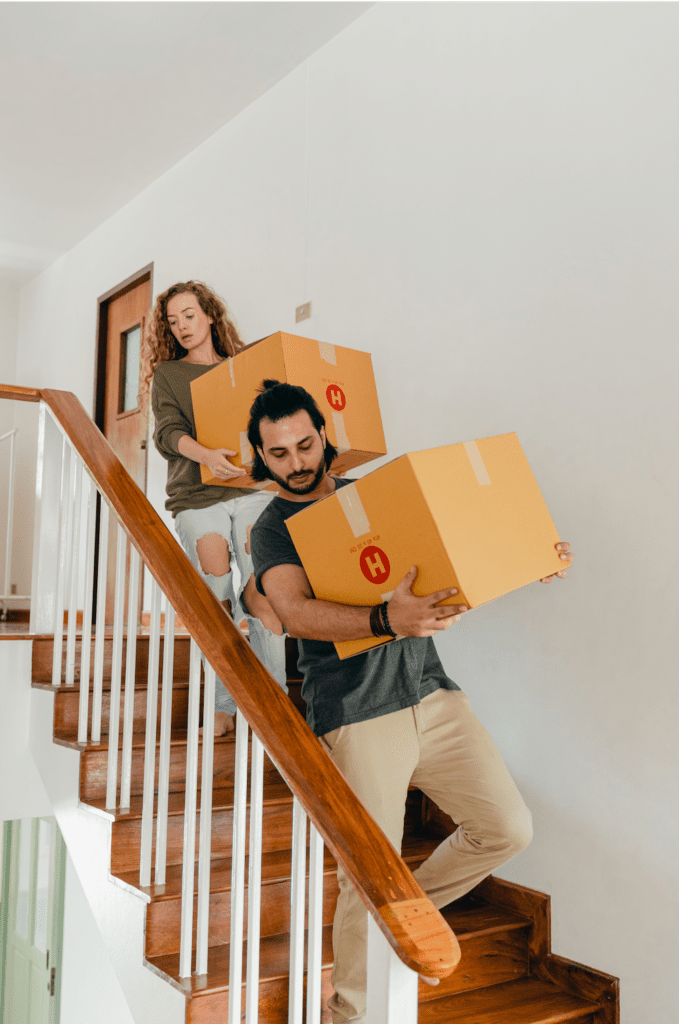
x=118 y=910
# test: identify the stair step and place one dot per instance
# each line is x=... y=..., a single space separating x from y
x=210 y=993
x=524 y=1001
x=43 y=648
x=277 y=824
x=163 y=913
x=94 y=763
x=67 y=710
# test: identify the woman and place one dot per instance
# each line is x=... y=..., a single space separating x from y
x=189 y=332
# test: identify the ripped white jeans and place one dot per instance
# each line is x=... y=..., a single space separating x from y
x=230 y=519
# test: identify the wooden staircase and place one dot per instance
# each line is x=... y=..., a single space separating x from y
x=507 y=975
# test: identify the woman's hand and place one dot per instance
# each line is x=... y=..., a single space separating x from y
x=218 y=463
x=566 y=555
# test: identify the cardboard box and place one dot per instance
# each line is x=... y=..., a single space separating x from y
x=467 y=515
x=340 y=379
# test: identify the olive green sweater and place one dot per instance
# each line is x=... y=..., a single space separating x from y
x=173 y=413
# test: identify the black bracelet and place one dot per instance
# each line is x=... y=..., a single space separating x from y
x=385 y=619
x=376 y=621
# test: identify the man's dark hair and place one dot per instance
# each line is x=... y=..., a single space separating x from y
x=277 y=401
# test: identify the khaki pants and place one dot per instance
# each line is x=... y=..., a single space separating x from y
x=440 y=747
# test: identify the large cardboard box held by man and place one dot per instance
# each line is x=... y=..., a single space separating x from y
x=340 y=379
x=467 y=515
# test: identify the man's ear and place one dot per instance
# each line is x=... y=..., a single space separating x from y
x=323 y=438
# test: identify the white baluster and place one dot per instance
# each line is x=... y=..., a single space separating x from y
x=11 y=475
x=205 y=845
x=100 y=630
x=150 y=741
x=46 y=526
x=392 y=987
x=61 y=567
x=86 y=643
x=240 y=787
x=297 y=908
x=76 y=498
x=130 y=671
x=164 y=754
x=315 y=939
x=116 y=670
x=254 y=881
x=191 y=775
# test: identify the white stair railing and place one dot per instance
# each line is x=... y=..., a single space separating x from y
x=9 y=490
x=69 y=496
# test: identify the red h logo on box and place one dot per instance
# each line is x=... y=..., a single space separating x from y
x=375 y=565
x=336 y=397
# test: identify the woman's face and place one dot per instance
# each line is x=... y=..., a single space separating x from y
x=187 y=321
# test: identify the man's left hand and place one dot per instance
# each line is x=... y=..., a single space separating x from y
x=565 y=553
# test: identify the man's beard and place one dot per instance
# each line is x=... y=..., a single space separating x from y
x=306 y=485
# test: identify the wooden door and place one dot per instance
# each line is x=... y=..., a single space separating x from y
x=123 y=421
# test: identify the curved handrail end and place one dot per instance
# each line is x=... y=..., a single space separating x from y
x=425 y=943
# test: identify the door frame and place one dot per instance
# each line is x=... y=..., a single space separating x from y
x=100 y=353
x=146 y=273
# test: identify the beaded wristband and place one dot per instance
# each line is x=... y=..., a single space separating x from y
x=385 y=620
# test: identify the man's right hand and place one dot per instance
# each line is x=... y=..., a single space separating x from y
x=410 y=615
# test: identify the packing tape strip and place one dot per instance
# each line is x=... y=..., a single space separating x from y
x=233 y=379
x=262 y=486
x=245 y=449
x=327 y=352
x=474 y=454
x=352 y=506
x=343 y=444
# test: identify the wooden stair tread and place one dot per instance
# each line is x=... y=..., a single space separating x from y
x=472 y=918
x=274 y=958
x=222 y=799
x=275 y=868
x=177 y=739
x=524 y=1001
x=139 y=684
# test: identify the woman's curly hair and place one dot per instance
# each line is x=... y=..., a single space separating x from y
x=159 y=343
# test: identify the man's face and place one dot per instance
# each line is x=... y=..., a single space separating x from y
x=293 y=452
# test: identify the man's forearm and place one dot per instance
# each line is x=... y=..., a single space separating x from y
x=325 y=620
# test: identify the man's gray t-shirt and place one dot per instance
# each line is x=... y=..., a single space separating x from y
x=385 y=679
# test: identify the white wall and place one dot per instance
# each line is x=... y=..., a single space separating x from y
x=86 y=966
x=492 y=212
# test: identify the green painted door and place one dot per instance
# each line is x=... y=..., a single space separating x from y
x=31 y=922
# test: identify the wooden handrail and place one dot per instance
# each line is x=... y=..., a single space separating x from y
x=415 y=929
x=19 y=394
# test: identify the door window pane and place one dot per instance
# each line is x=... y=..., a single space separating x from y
x=24 y=877
x=129 y=355
x=43 y=886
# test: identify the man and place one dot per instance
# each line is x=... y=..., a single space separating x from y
x=388 y=717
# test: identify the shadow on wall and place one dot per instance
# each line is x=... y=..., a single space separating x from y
x=597 y=884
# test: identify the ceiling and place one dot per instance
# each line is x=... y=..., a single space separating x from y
x=99 y=99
